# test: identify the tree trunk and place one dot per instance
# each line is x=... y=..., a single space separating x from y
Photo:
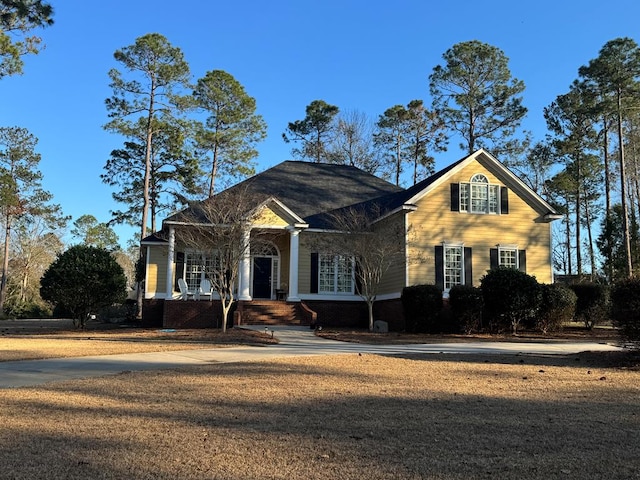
x=578 y=210
x=592 y=257
x=214 y=171
x=568 y=238
x=370 y=312
x=623 y=191
x=5 y=262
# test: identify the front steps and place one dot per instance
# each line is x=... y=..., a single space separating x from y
x=271 y=312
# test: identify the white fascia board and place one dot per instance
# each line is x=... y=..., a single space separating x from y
x=523 y=190
x=407 y=207
x=296 y=218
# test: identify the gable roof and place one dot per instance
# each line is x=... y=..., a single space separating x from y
x=314 y=192
x=406 y=199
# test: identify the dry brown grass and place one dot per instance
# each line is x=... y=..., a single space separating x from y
x=337 y=417
x=31 y=340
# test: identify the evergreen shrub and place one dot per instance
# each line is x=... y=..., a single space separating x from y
x=422 y=305
x=557 y=307
x=625 y=308
x=511 y=298
x=466 y=304
x=592 y=303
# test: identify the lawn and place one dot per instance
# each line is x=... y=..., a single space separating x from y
x=338 y=417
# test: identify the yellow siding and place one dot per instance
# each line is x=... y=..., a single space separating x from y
x=304 y=265
x=434 y=222
x=394 y=280
x=157 y=270
x=269 y=217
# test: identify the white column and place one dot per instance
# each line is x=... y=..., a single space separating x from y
x=245 y=268
x=170 y=268
x=294 y=247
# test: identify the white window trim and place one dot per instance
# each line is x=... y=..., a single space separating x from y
x=189 y=253
x=335 y=276
x=444 y=265
x=466 y=207
x=509 y=248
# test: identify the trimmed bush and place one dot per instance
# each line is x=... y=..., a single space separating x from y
x=511 y=297
x=592 y=303
x=84 y=280
x=466 y=306
x=625 y=308
x=422 y=305
x=557 y=307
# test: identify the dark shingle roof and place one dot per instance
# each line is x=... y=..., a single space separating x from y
x=311 y=188
x=383 y=204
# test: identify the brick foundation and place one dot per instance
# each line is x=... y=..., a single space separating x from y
x=158 y=313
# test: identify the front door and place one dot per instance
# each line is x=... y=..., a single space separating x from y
x=262 y=277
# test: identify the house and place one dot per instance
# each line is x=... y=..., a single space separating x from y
x=465 y=219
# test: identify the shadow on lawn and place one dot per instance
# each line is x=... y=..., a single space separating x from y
x=282 y=420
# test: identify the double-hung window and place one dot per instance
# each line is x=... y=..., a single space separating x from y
x=508 y=257
x=335 y=274
x=453 y=266
x=479 y=196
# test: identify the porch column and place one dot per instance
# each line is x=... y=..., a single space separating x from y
x=170 y=256
x=294 y=244
x=245 y=267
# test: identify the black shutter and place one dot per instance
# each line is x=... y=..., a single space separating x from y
x=455 y=197
x=468 y=271
x=493 y=258
x=314 y=273
x=522 y=260
x=439 y=256
x=179 y=270
x=504 y=200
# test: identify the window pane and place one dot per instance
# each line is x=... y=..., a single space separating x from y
x=452 y=266
x=479 y=178
x=494 y=194
x=194 y=267
x=479 y=198
x=326 y=270
x=344 y=275
x=464 y=197
x=508 y=258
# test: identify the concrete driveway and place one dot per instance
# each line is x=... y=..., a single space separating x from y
x=294 y=341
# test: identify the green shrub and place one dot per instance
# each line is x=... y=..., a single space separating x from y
x=592 y=303
x=466 y=306
x=422 y=305
x=84 y=280
x=511 y=297
x=557 y=307
x=27 y=310
x=625 y=308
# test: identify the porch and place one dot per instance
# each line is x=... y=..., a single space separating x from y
x=208 y=314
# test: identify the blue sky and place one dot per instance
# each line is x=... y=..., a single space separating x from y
x=358 y=55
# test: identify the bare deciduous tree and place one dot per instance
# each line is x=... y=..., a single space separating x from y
x=221 y=228
x=373 y=242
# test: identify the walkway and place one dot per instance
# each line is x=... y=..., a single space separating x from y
x=294 y=341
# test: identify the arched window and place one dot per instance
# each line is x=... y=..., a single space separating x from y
x=479 y=196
